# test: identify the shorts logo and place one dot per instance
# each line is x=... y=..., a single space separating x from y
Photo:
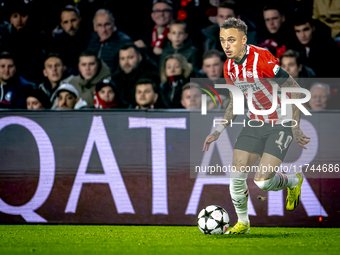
x=249 y=74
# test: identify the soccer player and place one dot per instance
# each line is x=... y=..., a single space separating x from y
x=249 y=66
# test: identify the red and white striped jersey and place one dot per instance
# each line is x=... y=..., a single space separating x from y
x=257 y=70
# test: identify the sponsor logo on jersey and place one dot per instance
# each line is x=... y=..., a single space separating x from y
x=245 y=85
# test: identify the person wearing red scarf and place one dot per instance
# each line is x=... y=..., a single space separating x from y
x=155 y=37
x=107 y=96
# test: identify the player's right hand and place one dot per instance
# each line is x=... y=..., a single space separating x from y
x=210 y=138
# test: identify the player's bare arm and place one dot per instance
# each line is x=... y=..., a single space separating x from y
x=300 y=138
x=227 y=116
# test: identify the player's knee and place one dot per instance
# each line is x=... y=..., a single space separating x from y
x=265 y=185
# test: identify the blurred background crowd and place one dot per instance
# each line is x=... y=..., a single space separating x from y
x=80 y=54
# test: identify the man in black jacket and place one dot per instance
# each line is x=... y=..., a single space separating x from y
x=13 y=88
x=278 y=36
x=133 y=65
x=317 y=50
x=54 y=72
x=23 y=39
x=72 y=39
x=106 y=40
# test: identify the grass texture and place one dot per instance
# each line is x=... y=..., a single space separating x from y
x=97 y=239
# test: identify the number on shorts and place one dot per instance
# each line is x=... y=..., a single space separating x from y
x=287 y=142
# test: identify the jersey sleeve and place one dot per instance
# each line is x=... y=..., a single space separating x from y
x=270 y=68
x=225 y=73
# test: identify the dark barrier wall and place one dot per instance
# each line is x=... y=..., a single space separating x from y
x=128 y=167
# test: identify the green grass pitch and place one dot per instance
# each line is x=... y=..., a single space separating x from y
x=85 y=239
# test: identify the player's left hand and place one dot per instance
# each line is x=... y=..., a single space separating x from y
x=210 y=138
x=299 y=137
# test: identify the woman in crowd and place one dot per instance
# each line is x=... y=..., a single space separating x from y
x=174 y=73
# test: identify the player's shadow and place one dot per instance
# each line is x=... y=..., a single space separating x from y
x=256 y=235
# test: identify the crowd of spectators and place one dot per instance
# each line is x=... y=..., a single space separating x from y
x=73 y=64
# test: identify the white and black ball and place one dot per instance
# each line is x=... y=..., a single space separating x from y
x=213 y=220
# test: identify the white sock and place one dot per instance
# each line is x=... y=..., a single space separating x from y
x=278 y=182
x=239 y=194
x=293 y=180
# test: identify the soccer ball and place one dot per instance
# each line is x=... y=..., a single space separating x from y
x=213 y=220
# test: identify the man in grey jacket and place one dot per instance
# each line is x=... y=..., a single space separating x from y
x=92 y=70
